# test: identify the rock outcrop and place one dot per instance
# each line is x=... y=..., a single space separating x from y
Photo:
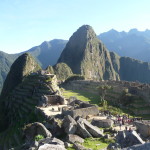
x=34 y=129
x=70 y=125
x=127 y=138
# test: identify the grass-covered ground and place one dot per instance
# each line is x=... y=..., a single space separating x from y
x=93 y=99
x=94 y=143
x=81 y=95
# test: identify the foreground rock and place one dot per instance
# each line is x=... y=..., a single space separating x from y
x=143 y=128
x=33 y=129
x=93 y=130
x=113 y=146
x=105 y=123
x=80 y=147
x=51 y=141
x=69 y=125
x=126 y=138
x=81 y=130
x=51 y=147
x=145 y=146
x=75 y=138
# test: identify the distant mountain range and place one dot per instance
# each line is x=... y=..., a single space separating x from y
x=46 y=54
x=135 y=44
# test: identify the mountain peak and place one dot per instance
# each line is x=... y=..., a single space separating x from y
x=85 y=54
x=23 y=66
x=84 y=32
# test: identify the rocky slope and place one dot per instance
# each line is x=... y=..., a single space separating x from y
x=85 y=54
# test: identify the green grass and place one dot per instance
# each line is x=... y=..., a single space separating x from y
x=81 y=95
x=96 y=143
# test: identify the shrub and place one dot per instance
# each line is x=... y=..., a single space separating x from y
x=39 y=137
x=74 y=77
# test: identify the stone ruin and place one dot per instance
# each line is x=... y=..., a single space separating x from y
x=50 y=100
x=79 y=108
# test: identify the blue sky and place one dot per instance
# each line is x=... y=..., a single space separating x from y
x=27 y=23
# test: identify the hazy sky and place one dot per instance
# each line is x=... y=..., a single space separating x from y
x=27 y=23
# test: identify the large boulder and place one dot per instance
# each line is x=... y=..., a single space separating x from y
x=51 y=147
x=49 y=140
x=143 y=128
x=128 y=138
x=81 y=130
x=105 y=123
x=145 y=146
x=93 y=130
x=72 y=138
x=79 y=147
x=113 y=146
x=33 y=129
x=69 y=125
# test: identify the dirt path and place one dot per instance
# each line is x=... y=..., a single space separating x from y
x=52 y=110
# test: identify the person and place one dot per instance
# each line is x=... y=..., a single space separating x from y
x=126 y=128
x=130 y=129
x=120 y=124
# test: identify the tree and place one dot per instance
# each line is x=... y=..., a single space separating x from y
x=103 y=90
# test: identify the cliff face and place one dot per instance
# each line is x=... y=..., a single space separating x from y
x=85 y=54
x=134 y=70
x=23 y=66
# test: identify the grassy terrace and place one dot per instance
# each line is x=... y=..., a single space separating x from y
x=81 y=95
x=93 y=99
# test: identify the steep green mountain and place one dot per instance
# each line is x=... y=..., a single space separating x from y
x=134 y=44
x=85 y=54
x=23 y=66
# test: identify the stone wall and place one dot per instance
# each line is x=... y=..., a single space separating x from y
x=82 y=112
x=143 y=128
x=55 y=99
